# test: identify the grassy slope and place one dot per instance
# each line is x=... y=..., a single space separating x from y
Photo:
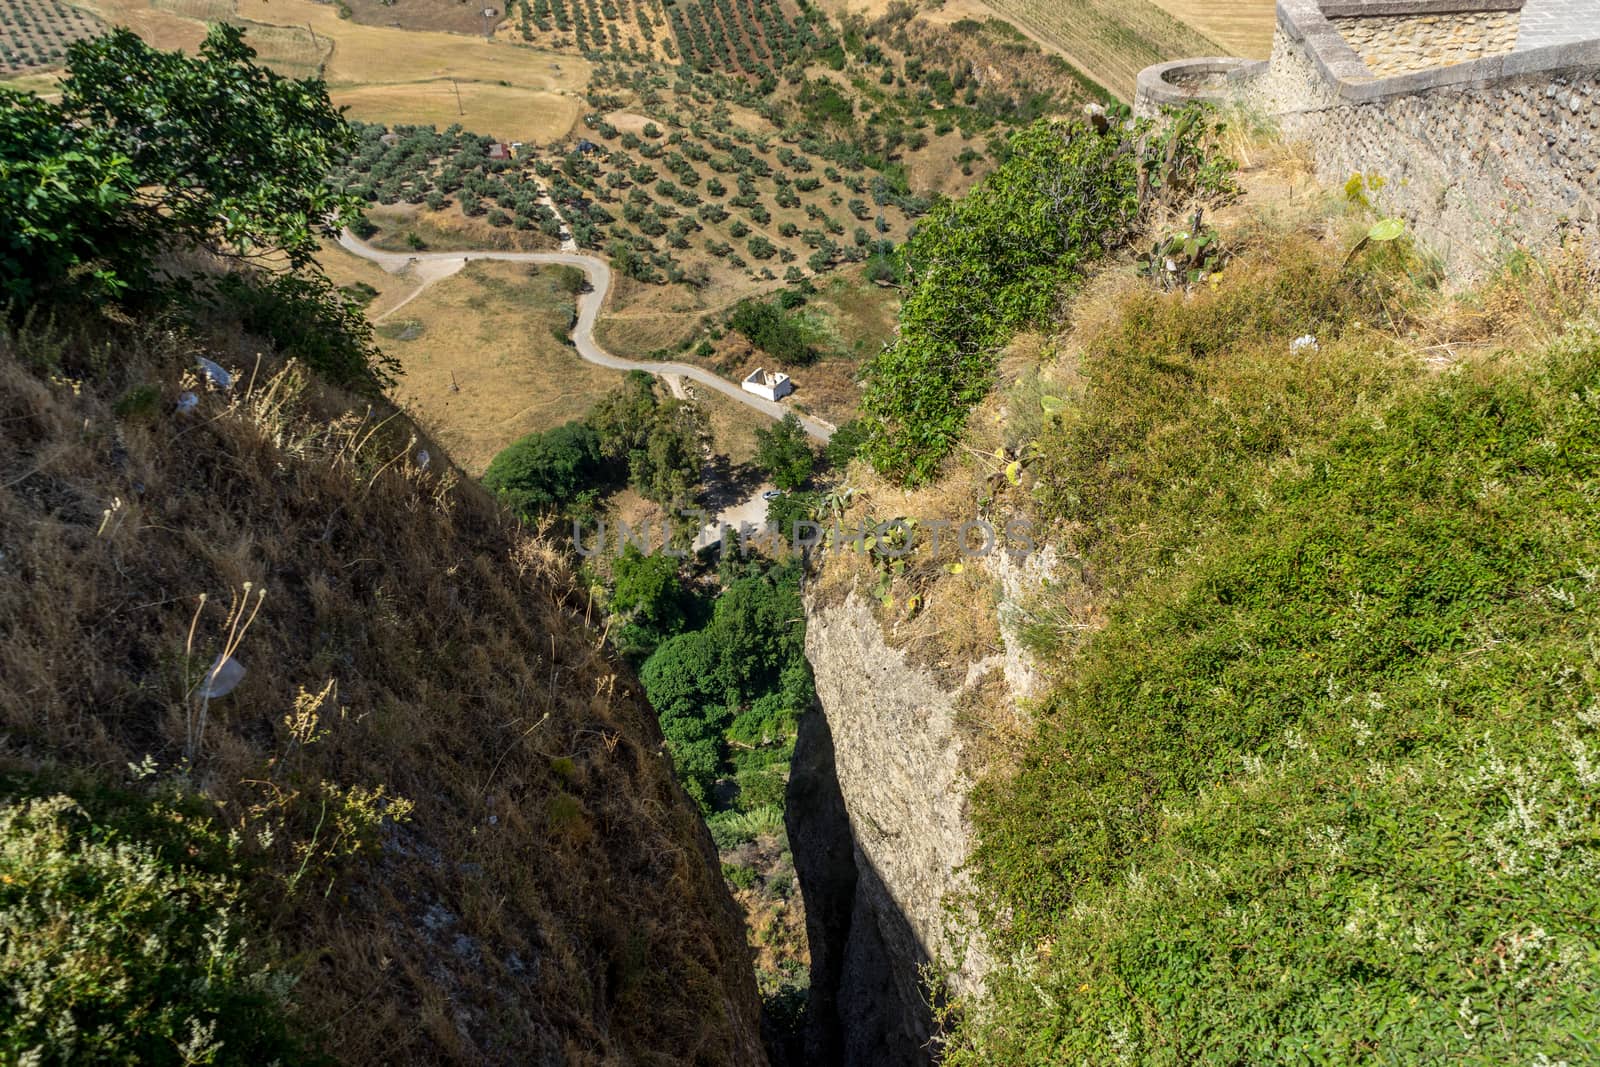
x=1322 y=789
x=487 y=360
x=551 y=897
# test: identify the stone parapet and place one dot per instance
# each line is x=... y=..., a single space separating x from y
x=1482 y=155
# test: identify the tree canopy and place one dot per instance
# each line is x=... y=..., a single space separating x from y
x=744 y=675
x=774 y=331
x=784 y=453
x=150 y=150
x=545 y=472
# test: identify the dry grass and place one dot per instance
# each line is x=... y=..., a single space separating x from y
x=552 y=897
x=384 y=73
x=46 y=85
x=941 y=609
x=158 y=27
x=506 y=112
x=1241 y=27
x=486 y=367
x=448 y=229
x=733 y=425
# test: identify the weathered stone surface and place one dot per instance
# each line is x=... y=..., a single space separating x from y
x=1401 y=44
x=1485 y=151
x=1478 y=171
x=897 y=761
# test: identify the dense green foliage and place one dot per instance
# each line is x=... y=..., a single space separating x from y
x=657 y=444
x=784 y=452
x=557 y=470
x=648 y=597
x=1002 y=257
x=120 y=947
x=775 y=331
x=1324 y=788
x=743 y=678
x=845 y=443
x=149 y=151
x=661 y=441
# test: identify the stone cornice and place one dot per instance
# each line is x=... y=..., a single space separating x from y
x=1338 y=9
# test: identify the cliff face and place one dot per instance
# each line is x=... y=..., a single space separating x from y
x=883 y=771
x=550 y=896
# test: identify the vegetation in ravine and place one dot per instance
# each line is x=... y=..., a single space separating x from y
x=632 y=436
x=784 y=452
x=730 y=687
x=1323 y=787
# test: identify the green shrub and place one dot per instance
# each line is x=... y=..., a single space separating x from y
x=784 y=337
x=730 y=829
x=784 y=452
x=115 y=949
x=743 y=676
x=545 y=472
x=1002 y=257
x=150 y=150
x=739 y=877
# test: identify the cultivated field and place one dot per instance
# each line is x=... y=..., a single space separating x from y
x=506 y=112
x=1242 y=27
x=1110 y=40
x=34 y=34
x=382 y=73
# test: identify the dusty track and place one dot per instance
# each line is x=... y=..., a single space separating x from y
x=433 y=266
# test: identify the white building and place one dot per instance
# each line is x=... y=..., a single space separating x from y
x=774 y=386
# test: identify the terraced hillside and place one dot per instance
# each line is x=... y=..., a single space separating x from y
x=1110 y=41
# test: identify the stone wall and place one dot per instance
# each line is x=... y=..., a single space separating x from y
x=1478 y=170
x=1483 y=157
x=1401 y=44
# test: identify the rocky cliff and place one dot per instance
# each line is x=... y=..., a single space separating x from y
x=879 y=814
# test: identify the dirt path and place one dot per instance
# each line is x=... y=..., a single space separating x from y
x=430 y=267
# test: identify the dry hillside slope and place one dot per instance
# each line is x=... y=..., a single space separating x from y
x=550 y=897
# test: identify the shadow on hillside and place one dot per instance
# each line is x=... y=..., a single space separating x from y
x=727 y=483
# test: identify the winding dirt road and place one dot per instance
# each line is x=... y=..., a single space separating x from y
x=431 y=267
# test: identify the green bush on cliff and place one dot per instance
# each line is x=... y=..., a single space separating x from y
x=743 y=677
x=1326 y=787
x=1001 y=258
x=150 y=151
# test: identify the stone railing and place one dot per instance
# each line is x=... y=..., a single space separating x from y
x=1481 y=155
